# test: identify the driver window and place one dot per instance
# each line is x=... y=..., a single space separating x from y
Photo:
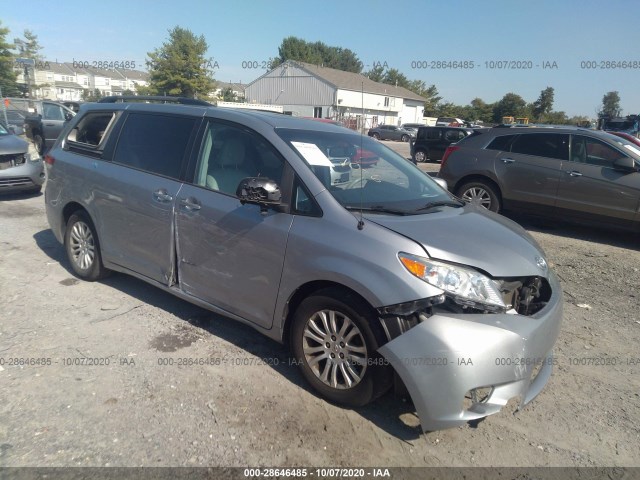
x=230 y=154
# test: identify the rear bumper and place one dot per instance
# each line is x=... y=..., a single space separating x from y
x=445 y=357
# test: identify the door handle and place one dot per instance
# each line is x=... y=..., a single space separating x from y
x=190 y=204
x=162 y=196
x=574 y=173
x=508 y=160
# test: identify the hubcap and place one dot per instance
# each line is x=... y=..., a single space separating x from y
x=420 y=157
x=477 y=196
x=334 y=349
x=82 y=245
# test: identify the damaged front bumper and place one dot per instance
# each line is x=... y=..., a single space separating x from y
x=463 y=367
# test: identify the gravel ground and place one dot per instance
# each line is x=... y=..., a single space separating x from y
x=134 y=405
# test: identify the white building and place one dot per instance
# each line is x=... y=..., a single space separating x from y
x=314 y=91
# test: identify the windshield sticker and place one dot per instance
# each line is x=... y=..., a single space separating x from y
x=633 y=149
x=312 y=154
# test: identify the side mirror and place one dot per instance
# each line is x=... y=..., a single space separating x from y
x=441 y=181
x=625 y=164
x=260 y=191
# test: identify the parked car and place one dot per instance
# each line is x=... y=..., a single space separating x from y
x=391 y=132
x=431 y=142
x=225 y=209
x=449 y=121
x=569 y=173
x=629 y=124
x=19 y=171
x=630 y=138
x=44 y=127
x=15 y=120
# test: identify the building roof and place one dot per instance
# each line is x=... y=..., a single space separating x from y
x=236 y=87
x=68 y=85
x=355 y=81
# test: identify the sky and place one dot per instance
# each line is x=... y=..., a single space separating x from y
x=565 y=36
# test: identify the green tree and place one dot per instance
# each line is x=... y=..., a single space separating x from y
x=511 y=105
x=318 y=53
x=180 y=66
x=8 y=82
x=89 y=95
x=376 y=73
x=543 y=106
x=480 y=110
x=610 y=105
x=393 y=76
x=228 y=95
x=28 y=46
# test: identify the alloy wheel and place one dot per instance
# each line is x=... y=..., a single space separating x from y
x=82 y=245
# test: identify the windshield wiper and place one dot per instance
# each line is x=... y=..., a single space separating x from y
x=441 y=203
x=376 y=209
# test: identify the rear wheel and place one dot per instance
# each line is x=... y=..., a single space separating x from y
x=376 y=136
x=82 y=247
x=421 y=156
x=480 y=193
x=335 y=343
x=404 y=138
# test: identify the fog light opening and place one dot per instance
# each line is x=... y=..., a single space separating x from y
x=477 y=396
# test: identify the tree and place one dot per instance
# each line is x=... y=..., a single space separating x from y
x=180 y=66
x=89 y=95
x=318 y=53
x=480 y=110
x=431 y=104
x=511 y=105
x=544 y=104
x=8 y=82
x=393 y=76
x=28 y=47
x=376 y=73
x=228 y=95
x=610 y=105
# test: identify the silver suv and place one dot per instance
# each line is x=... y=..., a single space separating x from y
x=236 y=211
x=569 y=173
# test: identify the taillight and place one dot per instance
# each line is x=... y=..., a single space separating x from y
x=450 y=149
x=49 y=160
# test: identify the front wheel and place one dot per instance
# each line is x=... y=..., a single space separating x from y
x=376 y=136
x=82 y=247
x=404 y=138
x=480 y=193
x=38 y=141
x=335 y=342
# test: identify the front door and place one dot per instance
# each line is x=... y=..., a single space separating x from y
x=231 y=255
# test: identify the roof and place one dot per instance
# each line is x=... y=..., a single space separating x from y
x=356 y=81
x=68 y=85
x=236 y=87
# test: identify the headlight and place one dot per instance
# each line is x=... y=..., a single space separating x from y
x=32 y=158
x=466 y=284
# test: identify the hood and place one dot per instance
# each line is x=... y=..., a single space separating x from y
x=12 y=144
x=471 y=236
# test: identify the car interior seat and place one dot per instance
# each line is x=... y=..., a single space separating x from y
x=229 y=166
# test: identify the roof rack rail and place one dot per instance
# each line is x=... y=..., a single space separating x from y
x=154 y=98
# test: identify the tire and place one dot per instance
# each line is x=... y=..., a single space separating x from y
x=480 y=193
x=404 y=138
x=83 y=248
x=356 y=335
x=420 y=156
x=38 y=141
x=376 y=136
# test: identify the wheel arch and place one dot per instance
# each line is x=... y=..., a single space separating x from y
x=307 y=290
x=483 y=178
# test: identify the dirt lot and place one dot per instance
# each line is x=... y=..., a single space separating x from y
x=135 y=406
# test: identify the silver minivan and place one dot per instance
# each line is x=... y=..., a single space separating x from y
x=386 y=272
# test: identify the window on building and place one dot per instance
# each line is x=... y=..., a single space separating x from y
x=386 y=101
x=317 y=112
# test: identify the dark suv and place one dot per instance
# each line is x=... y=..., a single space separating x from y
x=431 y=142
x=577 y=173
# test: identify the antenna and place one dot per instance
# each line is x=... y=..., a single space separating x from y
x=361 y=221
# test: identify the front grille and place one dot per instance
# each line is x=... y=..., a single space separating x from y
x=15 y=182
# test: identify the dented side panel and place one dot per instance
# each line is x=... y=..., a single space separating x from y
x=447 y=355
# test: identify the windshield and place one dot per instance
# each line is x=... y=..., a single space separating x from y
x=3 y=130
x=363 y=173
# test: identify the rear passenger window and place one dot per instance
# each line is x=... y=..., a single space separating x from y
x=550 y=145
x=154 y=143
x=500 y=143
x=433 y=134
x=91 y=130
